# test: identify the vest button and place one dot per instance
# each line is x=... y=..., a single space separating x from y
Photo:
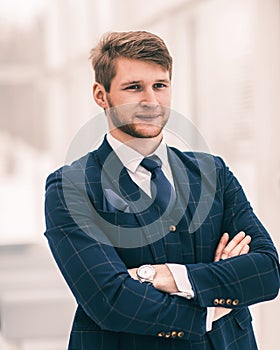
x=172 y=228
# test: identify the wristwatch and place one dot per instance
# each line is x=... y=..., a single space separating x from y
x=146 y=273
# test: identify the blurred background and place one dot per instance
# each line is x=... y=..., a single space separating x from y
x=226 y=80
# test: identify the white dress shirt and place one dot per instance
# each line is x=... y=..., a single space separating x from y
x=131 y=159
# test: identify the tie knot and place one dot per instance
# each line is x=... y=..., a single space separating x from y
x=151 y=163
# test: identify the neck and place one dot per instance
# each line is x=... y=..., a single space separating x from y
x=144 y=146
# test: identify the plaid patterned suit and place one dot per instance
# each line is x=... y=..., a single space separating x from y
x=100 y=224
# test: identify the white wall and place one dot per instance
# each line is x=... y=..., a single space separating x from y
x=226 y=80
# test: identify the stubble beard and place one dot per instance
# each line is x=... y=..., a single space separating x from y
x=137 y=129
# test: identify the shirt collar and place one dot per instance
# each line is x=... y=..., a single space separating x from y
x=131 y=158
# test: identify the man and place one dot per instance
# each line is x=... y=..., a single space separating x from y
x=150 y=239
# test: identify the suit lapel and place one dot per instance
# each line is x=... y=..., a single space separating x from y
x=115 y=179
x=153 y=226
x=179 y=244
x=188 y=179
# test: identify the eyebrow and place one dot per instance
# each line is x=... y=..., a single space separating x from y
x=167 y=81
x=131 y=82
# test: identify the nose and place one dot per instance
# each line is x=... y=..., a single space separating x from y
x=149 y=98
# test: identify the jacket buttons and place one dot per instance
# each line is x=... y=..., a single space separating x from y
x=235 y=302
x=221 y=301
x=228 y=301
x=216 y=301
x=161 y=334
x=172 y=228
x=172 y=334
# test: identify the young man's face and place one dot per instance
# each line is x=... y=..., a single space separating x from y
x=139 y=99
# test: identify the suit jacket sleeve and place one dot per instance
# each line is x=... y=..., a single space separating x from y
x=245 y=279
x=97 y=276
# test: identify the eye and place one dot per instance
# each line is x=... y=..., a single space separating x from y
x=133 y=87
x=160 y=86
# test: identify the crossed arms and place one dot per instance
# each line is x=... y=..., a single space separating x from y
x=104 y=289
x=164 y=279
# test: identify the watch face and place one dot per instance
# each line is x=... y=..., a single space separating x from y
x=146 y=272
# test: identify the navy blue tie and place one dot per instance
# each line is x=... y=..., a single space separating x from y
x=161 y=189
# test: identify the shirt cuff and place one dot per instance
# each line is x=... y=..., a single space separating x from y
x=209 y=318
x=181 y=278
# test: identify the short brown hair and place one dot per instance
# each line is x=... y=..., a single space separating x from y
x=140 y=45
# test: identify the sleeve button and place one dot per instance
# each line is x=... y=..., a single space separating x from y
x=180 y=334
x=235 y=302
x=216 y=301
x=228 y=301
x=161 y=334
x=167 y=335
x=174 y=334
x=221 y=301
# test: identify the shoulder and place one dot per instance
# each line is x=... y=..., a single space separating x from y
x=202 y=168
x=74 y=171
x=199 y=159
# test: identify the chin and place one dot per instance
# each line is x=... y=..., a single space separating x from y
x=142 y=130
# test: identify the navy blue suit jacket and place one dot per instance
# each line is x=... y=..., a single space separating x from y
x=96 y=233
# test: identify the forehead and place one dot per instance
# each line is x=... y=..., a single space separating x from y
x=135 y=70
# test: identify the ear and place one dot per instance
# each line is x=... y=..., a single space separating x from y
x=99 y=95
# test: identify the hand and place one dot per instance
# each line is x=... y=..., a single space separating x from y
x=132 y=273
x=237 y=246
x=163 y=279
x=220 y=312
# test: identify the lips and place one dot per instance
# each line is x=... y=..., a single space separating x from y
x=148 y=117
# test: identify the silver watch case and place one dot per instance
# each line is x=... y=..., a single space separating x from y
x=146 y=273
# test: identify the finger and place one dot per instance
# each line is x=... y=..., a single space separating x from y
x=237 y=250
x=132 y=273
x=233 y=244
x=221 y=246
x=245 y=250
